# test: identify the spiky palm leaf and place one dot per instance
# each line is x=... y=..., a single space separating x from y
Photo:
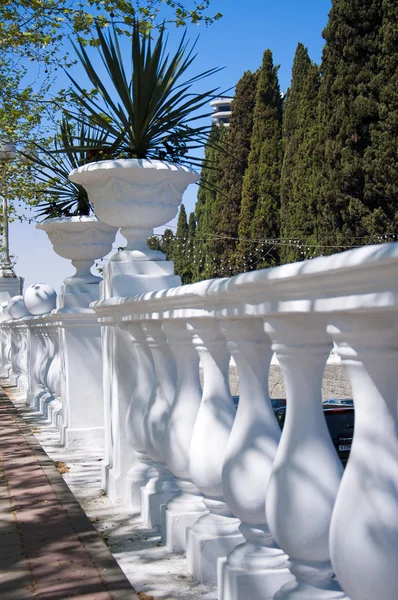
x=148 y=111
x=53 y=165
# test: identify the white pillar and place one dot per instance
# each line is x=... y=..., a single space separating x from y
x=141 y=367
x=307 y=471
x=187 y=506
x=257 y=568
x=83 y=406
x=162 y=486
x=214 y=535
x=364 y=529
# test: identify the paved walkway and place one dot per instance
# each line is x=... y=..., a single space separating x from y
x=49 y=550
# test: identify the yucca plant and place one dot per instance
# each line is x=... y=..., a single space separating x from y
x=146 y=108
x=74 y=146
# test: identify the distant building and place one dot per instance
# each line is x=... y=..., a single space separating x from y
x=222 y=110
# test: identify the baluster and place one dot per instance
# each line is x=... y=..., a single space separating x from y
x=47 y=371
x=34 y=386
x=186 y=507
x=8 y=351
x=162 y=486
x=42 y=365
x=14 y=349
x=56 y=405
x=215 y=534
x=364 y=529
x=21 y=359
x=3 y=346
x=56 y=411
x=141 y=365
x=257 y=568
x=307 y=471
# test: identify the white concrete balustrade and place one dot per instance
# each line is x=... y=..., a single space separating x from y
x=263 y=514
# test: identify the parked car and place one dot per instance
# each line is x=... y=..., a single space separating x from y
x=342 y=401
x=276 y=402
x=340 y=422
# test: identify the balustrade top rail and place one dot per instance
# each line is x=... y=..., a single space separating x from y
x=359 y=279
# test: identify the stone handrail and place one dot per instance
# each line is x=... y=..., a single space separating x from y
x=277 y=510
x=296 y=311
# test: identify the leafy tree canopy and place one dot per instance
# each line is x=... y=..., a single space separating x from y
x=38 y=28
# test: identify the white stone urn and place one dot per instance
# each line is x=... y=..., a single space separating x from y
x=135 y=195
x=82 y=240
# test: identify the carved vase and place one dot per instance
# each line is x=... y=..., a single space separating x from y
x=135 y=195
x=82 y=240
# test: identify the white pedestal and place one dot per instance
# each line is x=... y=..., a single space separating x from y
x=121 y=478
x=83 y=405
x=10 y=287
x=130 y=277
x=137 y=477
x=159 y=490
x=181 y=512
x=212 y=537
x=254 y=570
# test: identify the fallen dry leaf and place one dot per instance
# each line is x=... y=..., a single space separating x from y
x=61 y=467
x=144 y=596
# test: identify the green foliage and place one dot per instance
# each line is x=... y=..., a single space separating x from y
x=181 y=260
x=233 y=164
x=164 y=243
x=259 y=213
x=52 y=166
x=38 y=29
x=147 y=109
x=301 y=165
x=207 y=195
x=348 y=113
x=381 y=157
x=21 y=112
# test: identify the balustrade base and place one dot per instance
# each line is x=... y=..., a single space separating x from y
x=213 y=536
x=110 y=483
x=137 y=478
x=22 y=384
x=12 y=381
x=255 y=570
x=54 y=409
x=301 y=591
x=42 y=405
x=82 y=438
x=179 y=513
x=159 y=490
x=313 y=581
x=238 y=584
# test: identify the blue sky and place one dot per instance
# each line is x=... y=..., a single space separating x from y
x=237 y=43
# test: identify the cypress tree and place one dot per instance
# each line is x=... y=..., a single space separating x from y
x=233 y=164
x=300 y=168
x=381 y=158
x=191 y=251
x=167 y=244
x=259 y=213
x=348 y=112
x=181 y=238
x=207 y=194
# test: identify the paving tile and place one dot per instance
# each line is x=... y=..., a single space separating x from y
x=49 y=550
